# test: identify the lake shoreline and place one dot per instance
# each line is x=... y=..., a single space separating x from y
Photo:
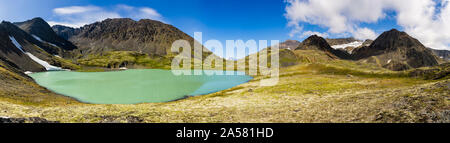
x=202 y=89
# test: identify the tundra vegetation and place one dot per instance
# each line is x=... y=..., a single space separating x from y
x=311 y=88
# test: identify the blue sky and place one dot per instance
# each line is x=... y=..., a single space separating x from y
x=217 y=19
x=247 y=19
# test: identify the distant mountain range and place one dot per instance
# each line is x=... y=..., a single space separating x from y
x=393 y=50
x=65 y=32
x=443 y=54
x=289 y=44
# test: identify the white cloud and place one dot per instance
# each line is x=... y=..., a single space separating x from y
x=309 y=33
x=422 y=19
x=296 y=30
x=149 y=12
x=75 y=9
x=364 y=33
x=124 y=7
x=78 y=16
x=140 y=13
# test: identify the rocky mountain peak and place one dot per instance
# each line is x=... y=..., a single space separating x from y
x=397 y=47
x=41 y=30
x=65 y=32
x=124 y=34
x=38 y=20
x=315 y=42
x=392 y=39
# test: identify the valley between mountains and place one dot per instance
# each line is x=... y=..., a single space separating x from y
x=393 y=78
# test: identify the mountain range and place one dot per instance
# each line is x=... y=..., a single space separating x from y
x=34 y=46
x=443 y=54
x=394 y=50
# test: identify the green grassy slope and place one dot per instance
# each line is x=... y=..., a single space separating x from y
x=18 y=88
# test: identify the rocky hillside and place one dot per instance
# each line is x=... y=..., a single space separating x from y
x=314 y=49
x=27 y=53
x=42 y=31
x=396 y=50
x=289 y=44
x=318 y=43
x=17 y=87
x=367 y=42
x=14 y=56
x=144 y=36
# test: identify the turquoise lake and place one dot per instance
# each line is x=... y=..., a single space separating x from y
x=135 y=86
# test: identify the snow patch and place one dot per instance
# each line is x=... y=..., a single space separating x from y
x=53 y=45
x=352 y=44
x=45 y=64
x=37 y=38
x=14 y=41
x=28 y=72
x=40 y=40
